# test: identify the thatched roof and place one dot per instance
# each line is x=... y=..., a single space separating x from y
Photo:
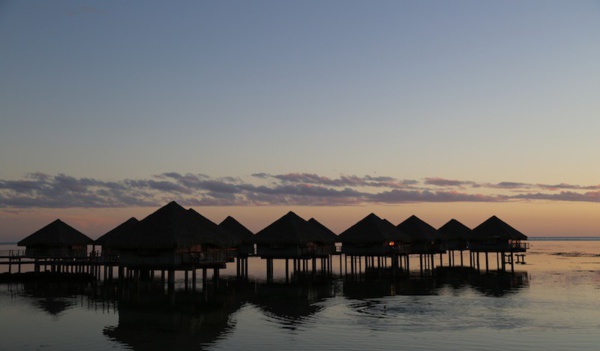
x=170 y=227
x=495 y=228
x=223 y=236
x=290 y=229
x=234 y=227
x=372 y=229
x=419 y=230
x=326 y=232
x=57 y=233
x=121 y=229
x=454 y=230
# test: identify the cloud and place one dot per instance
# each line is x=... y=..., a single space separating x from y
x=545 y=187
x=22 y=186
x=402 y=196
x=510 y=185
x=342 y=181
x=39 y=190
x=448 y=182
x=567 y=186
x=592 y=196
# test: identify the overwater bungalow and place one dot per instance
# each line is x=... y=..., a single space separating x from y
x=245 y=243
x=172 y=238
x=56 y=240
x=107 y=251
x=243 y=235
x=425 y=239
x=455 y=237
x=292 y=237
x=373 y=236
x=227 y=244
x=494 y=235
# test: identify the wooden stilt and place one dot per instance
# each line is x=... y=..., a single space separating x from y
x=512 y=262
x=194 y=279
x=487 y=264
x=171 y=284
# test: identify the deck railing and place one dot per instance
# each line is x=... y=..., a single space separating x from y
x=12 y=253
x=499 y=247
x=62 y=254
x=213 y=256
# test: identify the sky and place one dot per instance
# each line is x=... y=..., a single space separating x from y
x=332 y=109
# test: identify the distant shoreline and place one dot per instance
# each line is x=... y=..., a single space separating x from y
x=564 y=238
x=531 y=238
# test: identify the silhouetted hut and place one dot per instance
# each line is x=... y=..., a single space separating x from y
x=494 y=235
x=243 y=234
x=425 y=239
x=229 y=241
x=170 y=238
x=373 y=236
x=455 y=235
x=292 y=237
x=104 y=241
x=56 y=240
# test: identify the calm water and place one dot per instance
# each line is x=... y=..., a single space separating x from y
x=551 y=303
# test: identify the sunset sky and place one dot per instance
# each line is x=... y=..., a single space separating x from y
x=332 y=109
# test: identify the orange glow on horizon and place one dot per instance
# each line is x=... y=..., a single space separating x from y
x=532 y=219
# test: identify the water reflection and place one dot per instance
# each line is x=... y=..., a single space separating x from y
x=179 y=321
x=290 y=304
x=151 y=318
x=54 y=298
x=456 y=278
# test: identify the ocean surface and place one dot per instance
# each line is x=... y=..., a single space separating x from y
x=550 y=303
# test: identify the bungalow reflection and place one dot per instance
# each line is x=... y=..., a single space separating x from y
x=153 y=320
x=458 y=279
x=291 y=304
x=52 y=298
x=175 y=321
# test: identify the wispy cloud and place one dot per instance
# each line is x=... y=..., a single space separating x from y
x=442 y=182
x=39 y=190
x=592 y=196
x=562 y=186
x=511 y=185
x=401 y=196
x=342 y=181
